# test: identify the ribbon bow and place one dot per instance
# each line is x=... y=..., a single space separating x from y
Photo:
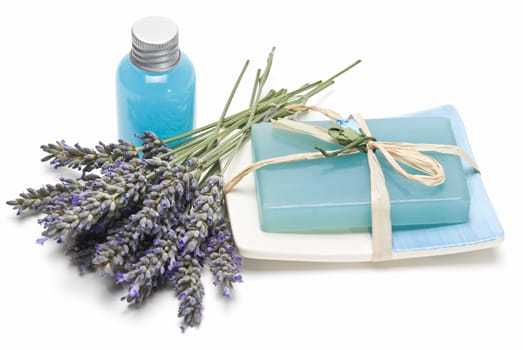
x=409 y=154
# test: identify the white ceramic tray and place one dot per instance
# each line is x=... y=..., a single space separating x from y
x=482 y=231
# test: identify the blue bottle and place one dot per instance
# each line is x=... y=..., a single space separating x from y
x=155 y=83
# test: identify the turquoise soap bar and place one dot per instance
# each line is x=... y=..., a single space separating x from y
x=333 y=194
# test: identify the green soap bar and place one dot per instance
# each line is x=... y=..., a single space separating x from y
x=333 y=194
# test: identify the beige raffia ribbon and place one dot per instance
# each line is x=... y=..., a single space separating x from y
x=394 y=152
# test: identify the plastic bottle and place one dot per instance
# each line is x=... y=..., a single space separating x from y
x=155 y=83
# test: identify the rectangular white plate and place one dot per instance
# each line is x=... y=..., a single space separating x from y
x=482 y=231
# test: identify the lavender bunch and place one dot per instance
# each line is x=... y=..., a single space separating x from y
x=142 y=222
x=153 y=216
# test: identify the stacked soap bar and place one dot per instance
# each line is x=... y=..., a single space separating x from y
x=333 y=194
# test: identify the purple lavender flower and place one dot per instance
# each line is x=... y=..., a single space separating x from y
x=172 y=264
x=237 y=260
x=41 y=240
x=75 y=199
x=120 y=277
x=98 y=228
x=134 y=293
x=237 y=278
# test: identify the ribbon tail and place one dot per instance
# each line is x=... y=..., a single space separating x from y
x=380 y=205
x=454 y=150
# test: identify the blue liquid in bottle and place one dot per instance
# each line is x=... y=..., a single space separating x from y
x=155 y=83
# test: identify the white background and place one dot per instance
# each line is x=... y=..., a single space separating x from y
x=57 y=67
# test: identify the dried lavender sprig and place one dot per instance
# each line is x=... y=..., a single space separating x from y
x=189 y=290
x=49 y=197
x=87 y=159
x=201 y=217
x=222 y=259
x=120 y=185
x=152 y=145
x=215 y=244
x=149 y=271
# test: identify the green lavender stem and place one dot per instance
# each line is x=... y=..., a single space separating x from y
x=228 y=103
x=246 y=130
x=223 y=138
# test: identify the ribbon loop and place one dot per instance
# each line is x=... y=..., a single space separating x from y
x=394 y=153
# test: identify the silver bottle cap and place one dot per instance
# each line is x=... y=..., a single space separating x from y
x=155 y=44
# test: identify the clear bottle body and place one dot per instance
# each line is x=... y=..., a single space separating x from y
x=161 y=102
